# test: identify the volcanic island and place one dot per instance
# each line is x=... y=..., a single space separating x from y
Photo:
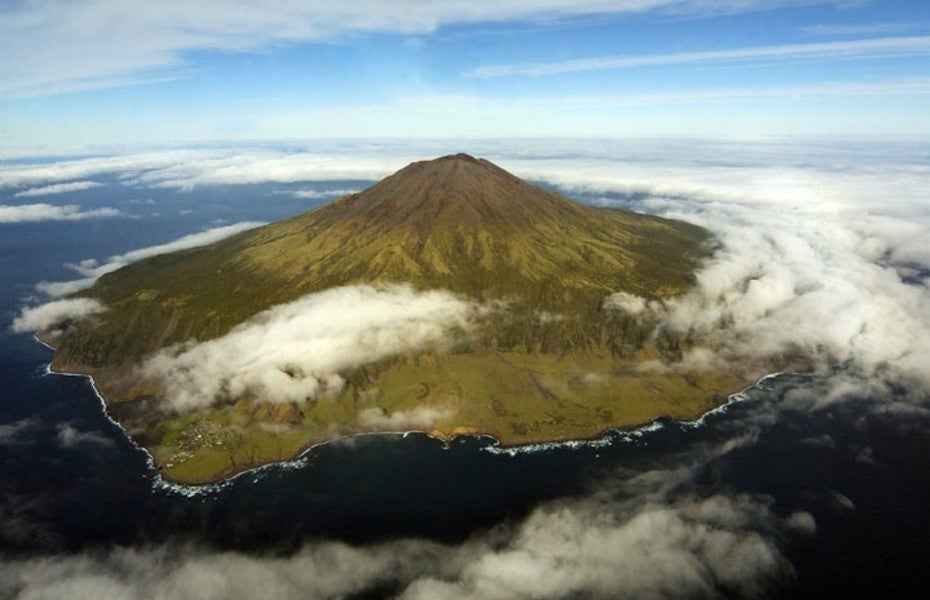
x=541 y=356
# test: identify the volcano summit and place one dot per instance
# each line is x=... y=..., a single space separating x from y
x=451 y=297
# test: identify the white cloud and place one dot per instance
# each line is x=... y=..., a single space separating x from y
x=692 y=548
x=643 y=165
x=321 y=194
x=421 y=418
x=266 y=166
x=98 y=44
x=296 y=351
x=810 y=263
x=92 y=270
x=859 y=29
x=58 y=289
x=55 y=313
x=640 y=535
x=48 y=212
x=10 y=433
x=23 y=174
x=58 y=188
x=625 y=302
x=69 y=437
x=193 y=240
x=187 y=169
x=872 y=47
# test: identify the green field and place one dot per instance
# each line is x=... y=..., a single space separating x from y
x=518 y=398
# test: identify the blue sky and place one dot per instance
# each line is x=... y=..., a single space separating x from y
x=107 y=72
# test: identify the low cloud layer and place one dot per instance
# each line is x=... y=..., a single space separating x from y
x=322 y=194
x=642 y=535
x=10 y=432
x=188 y=169
x=55 y=313
x=804 y=289
x=57 y=188
x=816 y=260
x=92 y=270
x=297 y=350
x=421 y=418
x=23 y=213
x=70 y=436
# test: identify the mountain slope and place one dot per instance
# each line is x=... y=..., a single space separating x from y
x=455 y=223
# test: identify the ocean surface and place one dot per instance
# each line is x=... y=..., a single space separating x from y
x=72 y=484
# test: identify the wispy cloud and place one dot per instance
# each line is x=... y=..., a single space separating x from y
x=91 y=269
x=421 y=418
x=10 y=433
x=98 y=44
x=321 y=194
x=909 y=87
x=48 y=212
x=203 y=238
x=69 y=437
x=875 y=47
x=55 y=313
x=58 y=188
x=837 y=29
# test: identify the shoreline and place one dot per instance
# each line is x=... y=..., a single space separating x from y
x=605 y=437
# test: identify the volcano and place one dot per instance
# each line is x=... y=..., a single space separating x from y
x=544 y=359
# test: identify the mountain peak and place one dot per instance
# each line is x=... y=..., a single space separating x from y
x=452 y=192
x=458 y=156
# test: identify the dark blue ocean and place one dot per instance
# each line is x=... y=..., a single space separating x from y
x=72 y=484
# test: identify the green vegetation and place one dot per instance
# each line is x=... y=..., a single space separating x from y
x=554 y=365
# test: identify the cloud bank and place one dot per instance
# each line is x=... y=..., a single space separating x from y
x=55 y=313
x=322 y=194
x=22 y=213
x=296 y=351
x=804 y=289
x=643 y=535
x=815 y=261
x=58 y=188
x=92 y=270
x=188 y=169
x=203 y=238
